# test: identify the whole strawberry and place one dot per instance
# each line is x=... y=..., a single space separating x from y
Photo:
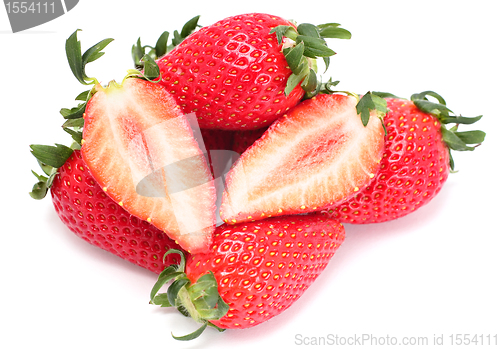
x=89 y=213
x=245 y=71
x=416 y=161
x=254 y=271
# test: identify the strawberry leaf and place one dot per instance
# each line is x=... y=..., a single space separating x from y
x=471 y=137
x=384 y=94
x=295 y=79
x=151 y=69
x=74 y=55
x=310 y=83
x=450 y=119
x=190 y=27
x=175 y=287
x=39 y=177
x=162 y=300
x=454 y=141
x=50 y=155
x=294 y=58
x=332 y=30
x=75 y=123
x=307 y=29
x=314 y=47
x=138 y=52
x=192 y=335
x=95 y=52
x=459 y=141
x=280 y=32
x=161 y=46
x=39 y=190
x=84 y=96
x=77 y=62
x=73 y=113
x=432 y=108
x=423 y=96
x=370 y=102
x=76 y=135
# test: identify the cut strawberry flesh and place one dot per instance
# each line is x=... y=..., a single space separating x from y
x=140 y=148
x=319 y=153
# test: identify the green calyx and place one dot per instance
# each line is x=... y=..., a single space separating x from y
x=200 y=300
x=51 y=158
x=301 y=47
x=455 y=140
x=368 y=103
x=162 y=47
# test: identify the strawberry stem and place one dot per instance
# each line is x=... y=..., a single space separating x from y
x=304 y=44
x=199 y=300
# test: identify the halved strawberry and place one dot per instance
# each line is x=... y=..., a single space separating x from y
x=317 y=154
x=140 y=148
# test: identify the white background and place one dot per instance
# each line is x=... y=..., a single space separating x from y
x=431 y=273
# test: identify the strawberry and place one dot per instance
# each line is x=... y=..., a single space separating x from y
x=245 y=71
x=93 y=216
x=217 y=143
x=253 y=272
x=244 y=139
x=317 y=154
x=140 y=149
x=217 y=139
x=416 y=161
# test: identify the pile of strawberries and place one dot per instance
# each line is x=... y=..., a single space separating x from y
x=224 y=163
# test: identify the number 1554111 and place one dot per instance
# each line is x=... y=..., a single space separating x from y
x=29 y=7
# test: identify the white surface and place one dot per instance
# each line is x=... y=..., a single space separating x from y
x=432 y=273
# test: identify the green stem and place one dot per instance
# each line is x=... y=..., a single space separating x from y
x=185 y=300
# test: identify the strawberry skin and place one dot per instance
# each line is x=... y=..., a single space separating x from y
x=231 y=74
x=317 y=154
x=217 y=139
x=213 y=141
x=141 y=150
x=93 y=216
x=259 y=269
x=244 y=139
x=414 y=167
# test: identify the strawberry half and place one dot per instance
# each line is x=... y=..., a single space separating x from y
x=318 y=154
x=253 y=271
x=140 y=149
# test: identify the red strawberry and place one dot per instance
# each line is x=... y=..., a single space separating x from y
x=244 y=139
x=214 y=141
x=140 y=149
x=253 y=272
x=234 y=74
x=217 y=139
x=415 y=164
x=317 y=154
x=88 y=212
